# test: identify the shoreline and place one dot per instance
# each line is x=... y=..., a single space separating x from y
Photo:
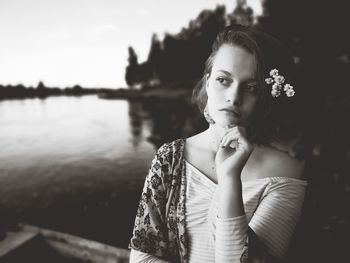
x=174 y=90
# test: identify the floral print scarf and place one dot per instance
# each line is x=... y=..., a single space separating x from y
x=159 y=227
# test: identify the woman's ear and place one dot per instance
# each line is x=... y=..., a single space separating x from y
x=207 y=81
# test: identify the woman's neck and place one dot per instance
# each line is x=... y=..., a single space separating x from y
x=213 y=136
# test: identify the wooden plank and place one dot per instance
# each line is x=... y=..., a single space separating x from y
x=76 y=247
x=14 y=240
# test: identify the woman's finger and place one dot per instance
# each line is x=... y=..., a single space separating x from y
x=234 y=144
x=225 y=139
x=233 y=133
x=235 y=139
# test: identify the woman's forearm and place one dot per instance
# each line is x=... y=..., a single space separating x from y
x=232 y=226
x=230 y=198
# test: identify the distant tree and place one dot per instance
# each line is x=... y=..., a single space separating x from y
x=41 y=90
x=77 y=88
x=242 y=14
x=155 y=57
x=41 y=86
x=130 y=74
x=132 y=57
x=156 y=50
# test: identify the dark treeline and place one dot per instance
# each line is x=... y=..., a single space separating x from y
x=180 y=57
x=312 y=30
x=41 y=91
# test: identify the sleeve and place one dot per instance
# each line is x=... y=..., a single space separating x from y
x=231 y=235
x=235 y=240
x=275 y=219
x=140 y=257
x=150 y=230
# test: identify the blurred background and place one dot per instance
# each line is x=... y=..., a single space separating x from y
x=90 y=89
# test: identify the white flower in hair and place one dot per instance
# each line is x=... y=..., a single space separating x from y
x=269 y=80
x=275 y=93
x=276 y=86
x=279 y=79
x=277 y=82
x=290 y=92
x=273 y=72
x=287 y=87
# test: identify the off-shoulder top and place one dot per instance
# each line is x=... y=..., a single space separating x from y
x=177 y=216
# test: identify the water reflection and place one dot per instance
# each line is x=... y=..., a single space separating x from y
x=163 y=121
x=83 y=157
x=171 y=120
x=135 y=121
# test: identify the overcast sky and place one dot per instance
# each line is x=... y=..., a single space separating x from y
x=68 y=42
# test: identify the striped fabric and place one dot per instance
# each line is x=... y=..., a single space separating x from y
x=272 y=207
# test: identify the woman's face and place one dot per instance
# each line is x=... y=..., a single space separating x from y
x=232 y=86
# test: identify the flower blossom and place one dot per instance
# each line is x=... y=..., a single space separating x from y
x=276 y=86
x=290 y=92
x=275 y=93
x=269 y=81
x=273 y=72
x=279 y=79
x=287 y=87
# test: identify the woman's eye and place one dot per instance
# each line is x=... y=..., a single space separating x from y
x=223 y=81
x=251 y=87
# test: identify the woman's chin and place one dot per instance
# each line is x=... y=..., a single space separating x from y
x=227 y=122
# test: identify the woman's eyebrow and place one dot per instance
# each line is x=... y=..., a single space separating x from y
x=252 y=79
x=225 y=72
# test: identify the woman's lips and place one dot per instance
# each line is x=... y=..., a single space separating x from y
x=231 y=111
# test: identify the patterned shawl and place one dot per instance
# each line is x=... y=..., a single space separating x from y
x=160 y=219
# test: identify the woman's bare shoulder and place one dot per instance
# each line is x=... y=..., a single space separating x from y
x=193 y=146
x=278 y=163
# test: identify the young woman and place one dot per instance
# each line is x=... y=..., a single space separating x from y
x=226 y=194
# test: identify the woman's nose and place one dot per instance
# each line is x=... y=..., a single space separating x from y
x=233 y=94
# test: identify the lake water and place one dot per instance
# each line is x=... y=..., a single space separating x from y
x=63 y=136
x=77 y=164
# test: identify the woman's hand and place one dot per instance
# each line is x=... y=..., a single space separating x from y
x=232 y=155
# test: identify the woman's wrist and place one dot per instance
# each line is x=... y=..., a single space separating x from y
x=229 y=180
x=230 y=192
x=230 y=198
x=228 y=209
